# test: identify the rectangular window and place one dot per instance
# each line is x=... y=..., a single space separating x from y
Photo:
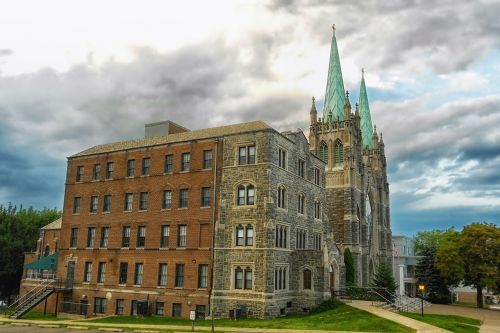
x=123 y=273
x=205 y=197
x=167 y=199
x=249 y=235
x=145 y=166
x=133 y=308
x=317 y=179
x=120 y=307
x=99 y=305
x=317 y=209
x=104 y=237
x=181 y=235
x=90 y=237
x=110 y=166
x=179 y=275
x=317 y=241
x=107 y=204
x=183 y=198
x=126 y=236
x=160 y=308
x=243 y=278
x=176 y=310
x=207 y=159
x=74 y=237
x=301 y=165
x=94 y=202
x=200 y=312
x=186 y=161
x=79 y=173
x=165 y=236
x=301 y=239
x=240 y=235
x=281 y=236
x=101 y=272
x=162 y=275
x=87 y=273
x=130 y=168
x=143 y=201
x=96 y=172
x=169 y=163
x=202 y=276
x=129 y=201
x=139 y=271
x=282 y=158
x=141 y=236
x=280 y=278
x=77 y=202
x=246 y=155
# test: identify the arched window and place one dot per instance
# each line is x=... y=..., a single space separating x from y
x=323 y=152
x=339 y=153
x=300 y=204
x=317 y=209
x=306 y=279
x=46 y=251
x=245 y=195
x=281 y=197
x=243 y=278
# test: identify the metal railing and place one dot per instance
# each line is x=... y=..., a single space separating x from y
x=40 y=275
x=31 y=295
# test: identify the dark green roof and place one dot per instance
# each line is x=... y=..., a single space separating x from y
x=46 y=263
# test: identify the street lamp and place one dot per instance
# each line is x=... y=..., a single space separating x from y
x=421 y=288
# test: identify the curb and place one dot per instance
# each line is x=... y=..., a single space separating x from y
x=78 y=327
x=20 y=324
x=48 y=326
x=109 y=329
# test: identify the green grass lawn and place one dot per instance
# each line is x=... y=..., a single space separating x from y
x=34 y=315
x=451 y=323
x=341 y=317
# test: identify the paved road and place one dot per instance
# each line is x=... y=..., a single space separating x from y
x=36 y=329
x=490 y=318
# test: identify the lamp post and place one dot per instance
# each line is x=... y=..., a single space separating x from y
x=421 y=288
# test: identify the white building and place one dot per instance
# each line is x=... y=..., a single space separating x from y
x=405 y=262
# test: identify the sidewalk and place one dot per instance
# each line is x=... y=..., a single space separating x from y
x=490 y=318
x=415 y=324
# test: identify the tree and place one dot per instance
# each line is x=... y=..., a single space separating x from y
x=350 y=278
x=473 y=256
x=384 y=281
x=19 y=230
x=426 y=244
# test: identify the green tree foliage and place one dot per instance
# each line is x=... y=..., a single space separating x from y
x=383 y=281
x=19 y=231
x=426 y=244
x=349 y=268
x=473 y=256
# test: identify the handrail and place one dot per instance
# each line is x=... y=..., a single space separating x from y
x=30 y=295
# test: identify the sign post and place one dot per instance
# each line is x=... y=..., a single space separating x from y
x=192 y=317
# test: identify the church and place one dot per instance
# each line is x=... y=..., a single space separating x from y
x=357 y=191
x=232 y=220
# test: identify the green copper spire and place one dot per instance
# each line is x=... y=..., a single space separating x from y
x=334 y=96
x=364 y=112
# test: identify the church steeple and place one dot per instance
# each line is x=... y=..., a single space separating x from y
x=364 y=112
x=334 y=96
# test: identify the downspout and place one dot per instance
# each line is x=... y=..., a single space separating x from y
x=212 y=252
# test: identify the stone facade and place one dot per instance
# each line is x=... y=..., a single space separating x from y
x=275 y=247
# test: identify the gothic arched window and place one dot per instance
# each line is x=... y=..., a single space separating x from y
x=306 y=279
x=323 y=152
x=339 y=153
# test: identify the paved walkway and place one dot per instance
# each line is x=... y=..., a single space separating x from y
x=415 y=324
x=489 y=318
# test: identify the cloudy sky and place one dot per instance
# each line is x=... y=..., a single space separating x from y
x=78 y=73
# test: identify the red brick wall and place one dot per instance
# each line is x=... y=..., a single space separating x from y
x=197 y=219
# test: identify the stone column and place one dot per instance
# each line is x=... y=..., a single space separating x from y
x=401 y=280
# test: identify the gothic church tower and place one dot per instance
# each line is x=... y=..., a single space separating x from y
x=356 y=173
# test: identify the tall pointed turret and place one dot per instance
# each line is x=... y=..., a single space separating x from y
x=364 y=112
x=334 y=95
